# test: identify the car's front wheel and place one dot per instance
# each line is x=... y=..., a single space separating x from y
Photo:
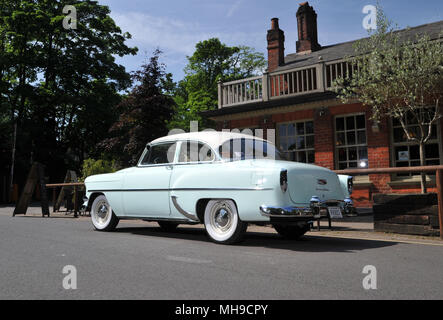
x=293 y=232
x=222 y=222
x=102 y=216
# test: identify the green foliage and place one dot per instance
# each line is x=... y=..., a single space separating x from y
x=398 y=78
x=189 y=110
x=143 y=113
x=91 y=166
x=211 y=62
x=60 y=86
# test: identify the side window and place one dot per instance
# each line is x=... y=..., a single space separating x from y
x=192 y=151
x=241 y=149
x=159 y=154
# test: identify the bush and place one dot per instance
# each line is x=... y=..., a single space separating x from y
x=92 y=166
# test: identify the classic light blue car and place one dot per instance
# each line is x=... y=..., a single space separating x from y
x=223 y=180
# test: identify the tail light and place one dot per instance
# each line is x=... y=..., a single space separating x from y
x=284 y=180
x=350 y=184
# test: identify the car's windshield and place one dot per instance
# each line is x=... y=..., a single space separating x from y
x=159 y=154
x=241 y=149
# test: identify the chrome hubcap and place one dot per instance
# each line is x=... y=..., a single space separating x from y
x=221 y=218
x=102 y=212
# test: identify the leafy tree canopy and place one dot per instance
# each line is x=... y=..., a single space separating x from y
x=399 y=78
x=143 y=113
x=59 y=85
x=211 y=62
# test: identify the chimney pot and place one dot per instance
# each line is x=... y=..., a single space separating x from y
x=276 y=46
x=307 y=29
x=274 y=24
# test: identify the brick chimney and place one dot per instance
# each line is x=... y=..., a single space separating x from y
x=307 y=29
x=276 y=46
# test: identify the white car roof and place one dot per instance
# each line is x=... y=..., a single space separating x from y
x=213 y=138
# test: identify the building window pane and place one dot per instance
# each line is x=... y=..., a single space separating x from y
x=291 y=129
x=300 y=128
x=291 y=143
x=282 y=129
x=342 y=165
x=350 y=137
x=301 y=156
x=309 y=127
x=407 y=153
x=310 y=142
x=300 y=142
x=361 y=124
x=352 y=153
x=311 y=156
x=414 y=152
x=351 y=142
x=340 y=124
x=296 y=140
x=342 y=154
x=399 y=135
x=341 y=139
x=362 y=153
x=361 y=137
x=350 y=123
x=431 y=151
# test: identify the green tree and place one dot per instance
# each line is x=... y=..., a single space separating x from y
x=59 y=85
x=91 y=166
x=143 y=113
x=400 y=79
x=211 y=62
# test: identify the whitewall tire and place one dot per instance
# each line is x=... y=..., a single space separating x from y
x=102 y=216
x=222 y=222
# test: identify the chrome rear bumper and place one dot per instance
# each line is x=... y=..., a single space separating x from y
x=305 y=212
x=311 y=211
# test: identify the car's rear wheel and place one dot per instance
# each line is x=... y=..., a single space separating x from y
x=102 y=216
x=222 y=222
x=167 y=226
x=292 y=232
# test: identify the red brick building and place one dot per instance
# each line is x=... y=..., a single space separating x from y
x=295 y=98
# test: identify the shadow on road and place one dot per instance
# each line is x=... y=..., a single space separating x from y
x=309 y=243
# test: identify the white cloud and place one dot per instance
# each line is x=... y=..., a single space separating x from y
x=234 y=8
x=149 y=31
x=175 y=36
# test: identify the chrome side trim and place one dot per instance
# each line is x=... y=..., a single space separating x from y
x=188 y=215
x=184 y=189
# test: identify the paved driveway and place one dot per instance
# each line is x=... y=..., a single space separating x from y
x=139 y=261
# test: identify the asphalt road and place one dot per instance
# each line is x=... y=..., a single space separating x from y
x=139 y=261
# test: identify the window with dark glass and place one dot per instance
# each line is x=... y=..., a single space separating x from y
x=159 y=154
x=242 y=149
x=407 y=153
x=193 y=151
x=296 y=140
x=350 y=141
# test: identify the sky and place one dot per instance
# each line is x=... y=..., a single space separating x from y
x=175 y=26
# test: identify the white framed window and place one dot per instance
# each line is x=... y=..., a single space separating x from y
x=406 y=153
x=351 y=142
x=296 y=140
x=159 y=154
x=195 y=151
